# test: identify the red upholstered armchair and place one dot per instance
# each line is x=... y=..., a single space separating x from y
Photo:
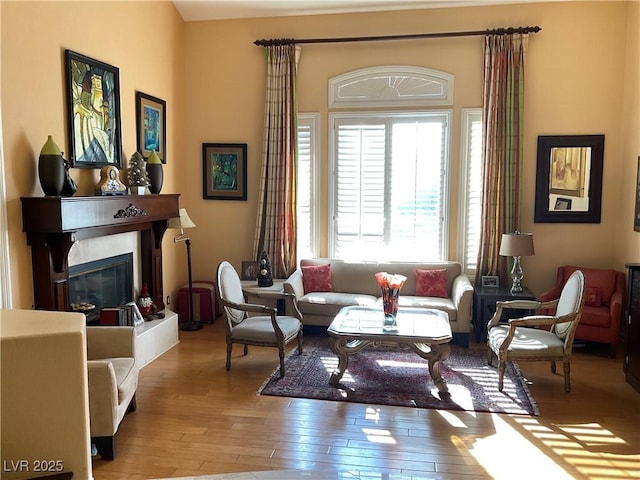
x=602 y=311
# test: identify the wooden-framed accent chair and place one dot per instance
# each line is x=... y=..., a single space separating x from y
x=265 y=327
x=519 y=340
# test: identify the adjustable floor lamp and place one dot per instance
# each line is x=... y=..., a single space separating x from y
x=182 y=222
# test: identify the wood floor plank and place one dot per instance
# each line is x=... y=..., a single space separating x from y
x=195 y=418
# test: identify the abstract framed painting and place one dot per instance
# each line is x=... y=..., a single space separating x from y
x=151 y=125
x=93 y=112
x=224 y=171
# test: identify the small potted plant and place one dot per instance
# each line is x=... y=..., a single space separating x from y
x=137 y=177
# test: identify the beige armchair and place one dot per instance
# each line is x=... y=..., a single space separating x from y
x=517 y=340
x=113 y=380
x=265 y=328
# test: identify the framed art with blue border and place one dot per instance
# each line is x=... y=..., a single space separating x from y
x=151 y=125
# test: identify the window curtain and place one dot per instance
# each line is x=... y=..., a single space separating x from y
x=502 y=122
x=276 y=219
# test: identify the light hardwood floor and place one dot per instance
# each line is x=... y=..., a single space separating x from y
x=195 y=418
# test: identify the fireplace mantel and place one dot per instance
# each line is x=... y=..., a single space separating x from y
x=53 y=224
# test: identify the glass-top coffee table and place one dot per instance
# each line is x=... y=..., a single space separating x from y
x=427 y=332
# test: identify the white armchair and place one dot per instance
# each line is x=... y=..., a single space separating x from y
x=113 y=380
x=517 y=340
x=266 y=328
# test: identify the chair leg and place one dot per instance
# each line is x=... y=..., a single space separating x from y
x=553 y=366
x=229 y=348
x=300 y=342
x=490 y=357
x=281 y=354
x=501 y=368
x=246 y=350
x=567 y=377
x=106 y=447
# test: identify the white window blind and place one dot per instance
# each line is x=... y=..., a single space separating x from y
x=305 y=207
x=389 y=186
x=472 y=188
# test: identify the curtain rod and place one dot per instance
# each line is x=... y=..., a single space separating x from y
x=496 y=31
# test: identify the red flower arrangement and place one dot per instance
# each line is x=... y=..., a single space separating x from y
x=390 y=284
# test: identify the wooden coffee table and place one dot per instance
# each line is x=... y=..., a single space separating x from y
x=426 y=331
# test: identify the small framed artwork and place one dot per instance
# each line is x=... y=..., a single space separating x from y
x=490 y=281
x=224 y=171
x=636 y=218
x=569 y=178
x=151 y=124
x=93 y=112
x=249 y=270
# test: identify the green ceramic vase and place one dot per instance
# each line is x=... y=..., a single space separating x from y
x=154 y=170
x=51 y=169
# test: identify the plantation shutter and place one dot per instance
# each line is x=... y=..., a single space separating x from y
x=474 y=192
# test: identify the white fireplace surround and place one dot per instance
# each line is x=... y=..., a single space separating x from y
x=91 y=249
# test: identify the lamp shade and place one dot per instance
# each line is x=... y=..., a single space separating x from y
x=183 y=221
x=517 y=245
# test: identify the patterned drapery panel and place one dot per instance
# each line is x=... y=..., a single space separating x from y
x=502 y=121
x=276 y=219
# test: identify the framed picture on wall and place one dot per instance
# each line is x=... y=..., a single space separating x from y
x=93 y=112
x=569 y=179
x=151 y=124
x=636 y=218
x=224 y=171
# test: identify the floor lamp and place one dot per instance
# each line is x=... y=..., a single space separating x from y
x=182 y=222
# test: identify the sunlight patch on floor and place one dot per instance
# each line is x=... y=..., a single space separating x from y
x=501 y=452
x=585 y=447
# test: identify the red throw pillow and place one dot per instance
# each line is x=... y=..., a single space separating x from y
x=317 y=278
x=593 y=296
x=431 y=283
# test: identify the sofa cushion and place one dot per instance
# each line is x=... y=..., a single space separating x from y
x=436 y=303
x=316 y=278
x=431 y=283
x=593 y=296
x=330 y=303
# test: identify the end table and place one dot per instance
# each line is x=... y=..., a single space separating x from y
x=484 y=306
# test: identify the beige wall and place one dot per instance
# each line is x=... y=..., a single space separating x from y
x=143 y=39
x=582 y=77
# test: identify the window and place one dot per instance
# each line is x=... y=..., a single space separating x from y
x=306 y=192
x=471 y=188
x=389 y=186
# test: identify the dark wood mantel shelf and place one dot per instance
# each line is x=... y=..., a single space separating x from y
x=53 y=224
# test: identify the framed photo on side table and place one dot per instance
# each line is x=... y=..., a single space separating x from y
x=151 y=125
x=93 y=112
x=249 y=270
x=490 y=281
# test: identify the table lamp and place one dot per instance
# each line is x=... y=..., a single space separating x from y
x=516 y=245
x=182 y=222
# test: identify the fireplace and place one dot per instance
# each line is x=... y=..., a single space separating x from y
x=107 y=282
x=54 y=224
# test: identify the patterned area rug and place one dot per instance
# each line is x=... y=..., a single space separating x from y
x=388 y=375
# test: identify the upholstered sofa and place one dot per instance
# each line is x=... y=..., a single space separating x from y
x=447 y=288
x=602 y=312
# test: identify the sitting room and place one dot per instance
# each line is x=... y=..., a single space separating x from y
x=406 y=152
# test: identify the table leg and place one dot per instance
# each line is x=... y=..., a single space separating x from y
x=342 y=347
x=434 y=354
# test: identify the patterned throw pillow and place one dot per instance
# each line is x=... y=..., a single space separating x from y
x=317 y=278
x=431 y=283
x=593 y=296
